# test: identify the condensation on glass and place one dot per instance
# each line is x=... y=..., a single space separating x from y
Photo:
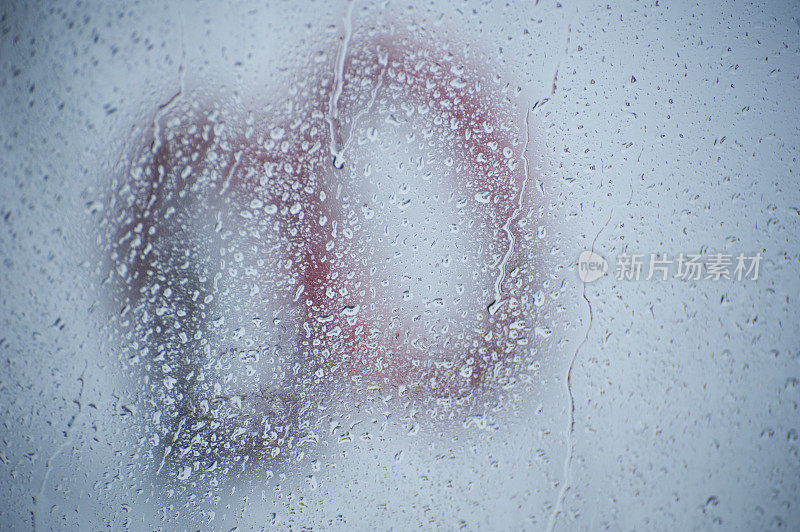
x=315 y=266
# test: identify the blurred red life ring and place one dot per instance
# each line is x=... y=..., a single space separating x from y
x=291 y=171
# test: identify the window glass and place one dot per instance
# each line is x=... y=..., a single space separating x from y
x=361 y=265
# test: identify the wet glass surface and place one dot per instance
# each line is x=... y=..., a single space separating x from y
x=360 y=265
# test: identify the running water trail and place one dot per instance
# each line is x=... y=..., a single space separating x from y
x=383 y=60
x=164 y=109
x=337 y=145
x=48 y=465
x=566 y=482
x=498 y=291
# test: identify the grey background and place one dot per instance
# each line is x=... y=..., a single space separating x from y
x=685 y=394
